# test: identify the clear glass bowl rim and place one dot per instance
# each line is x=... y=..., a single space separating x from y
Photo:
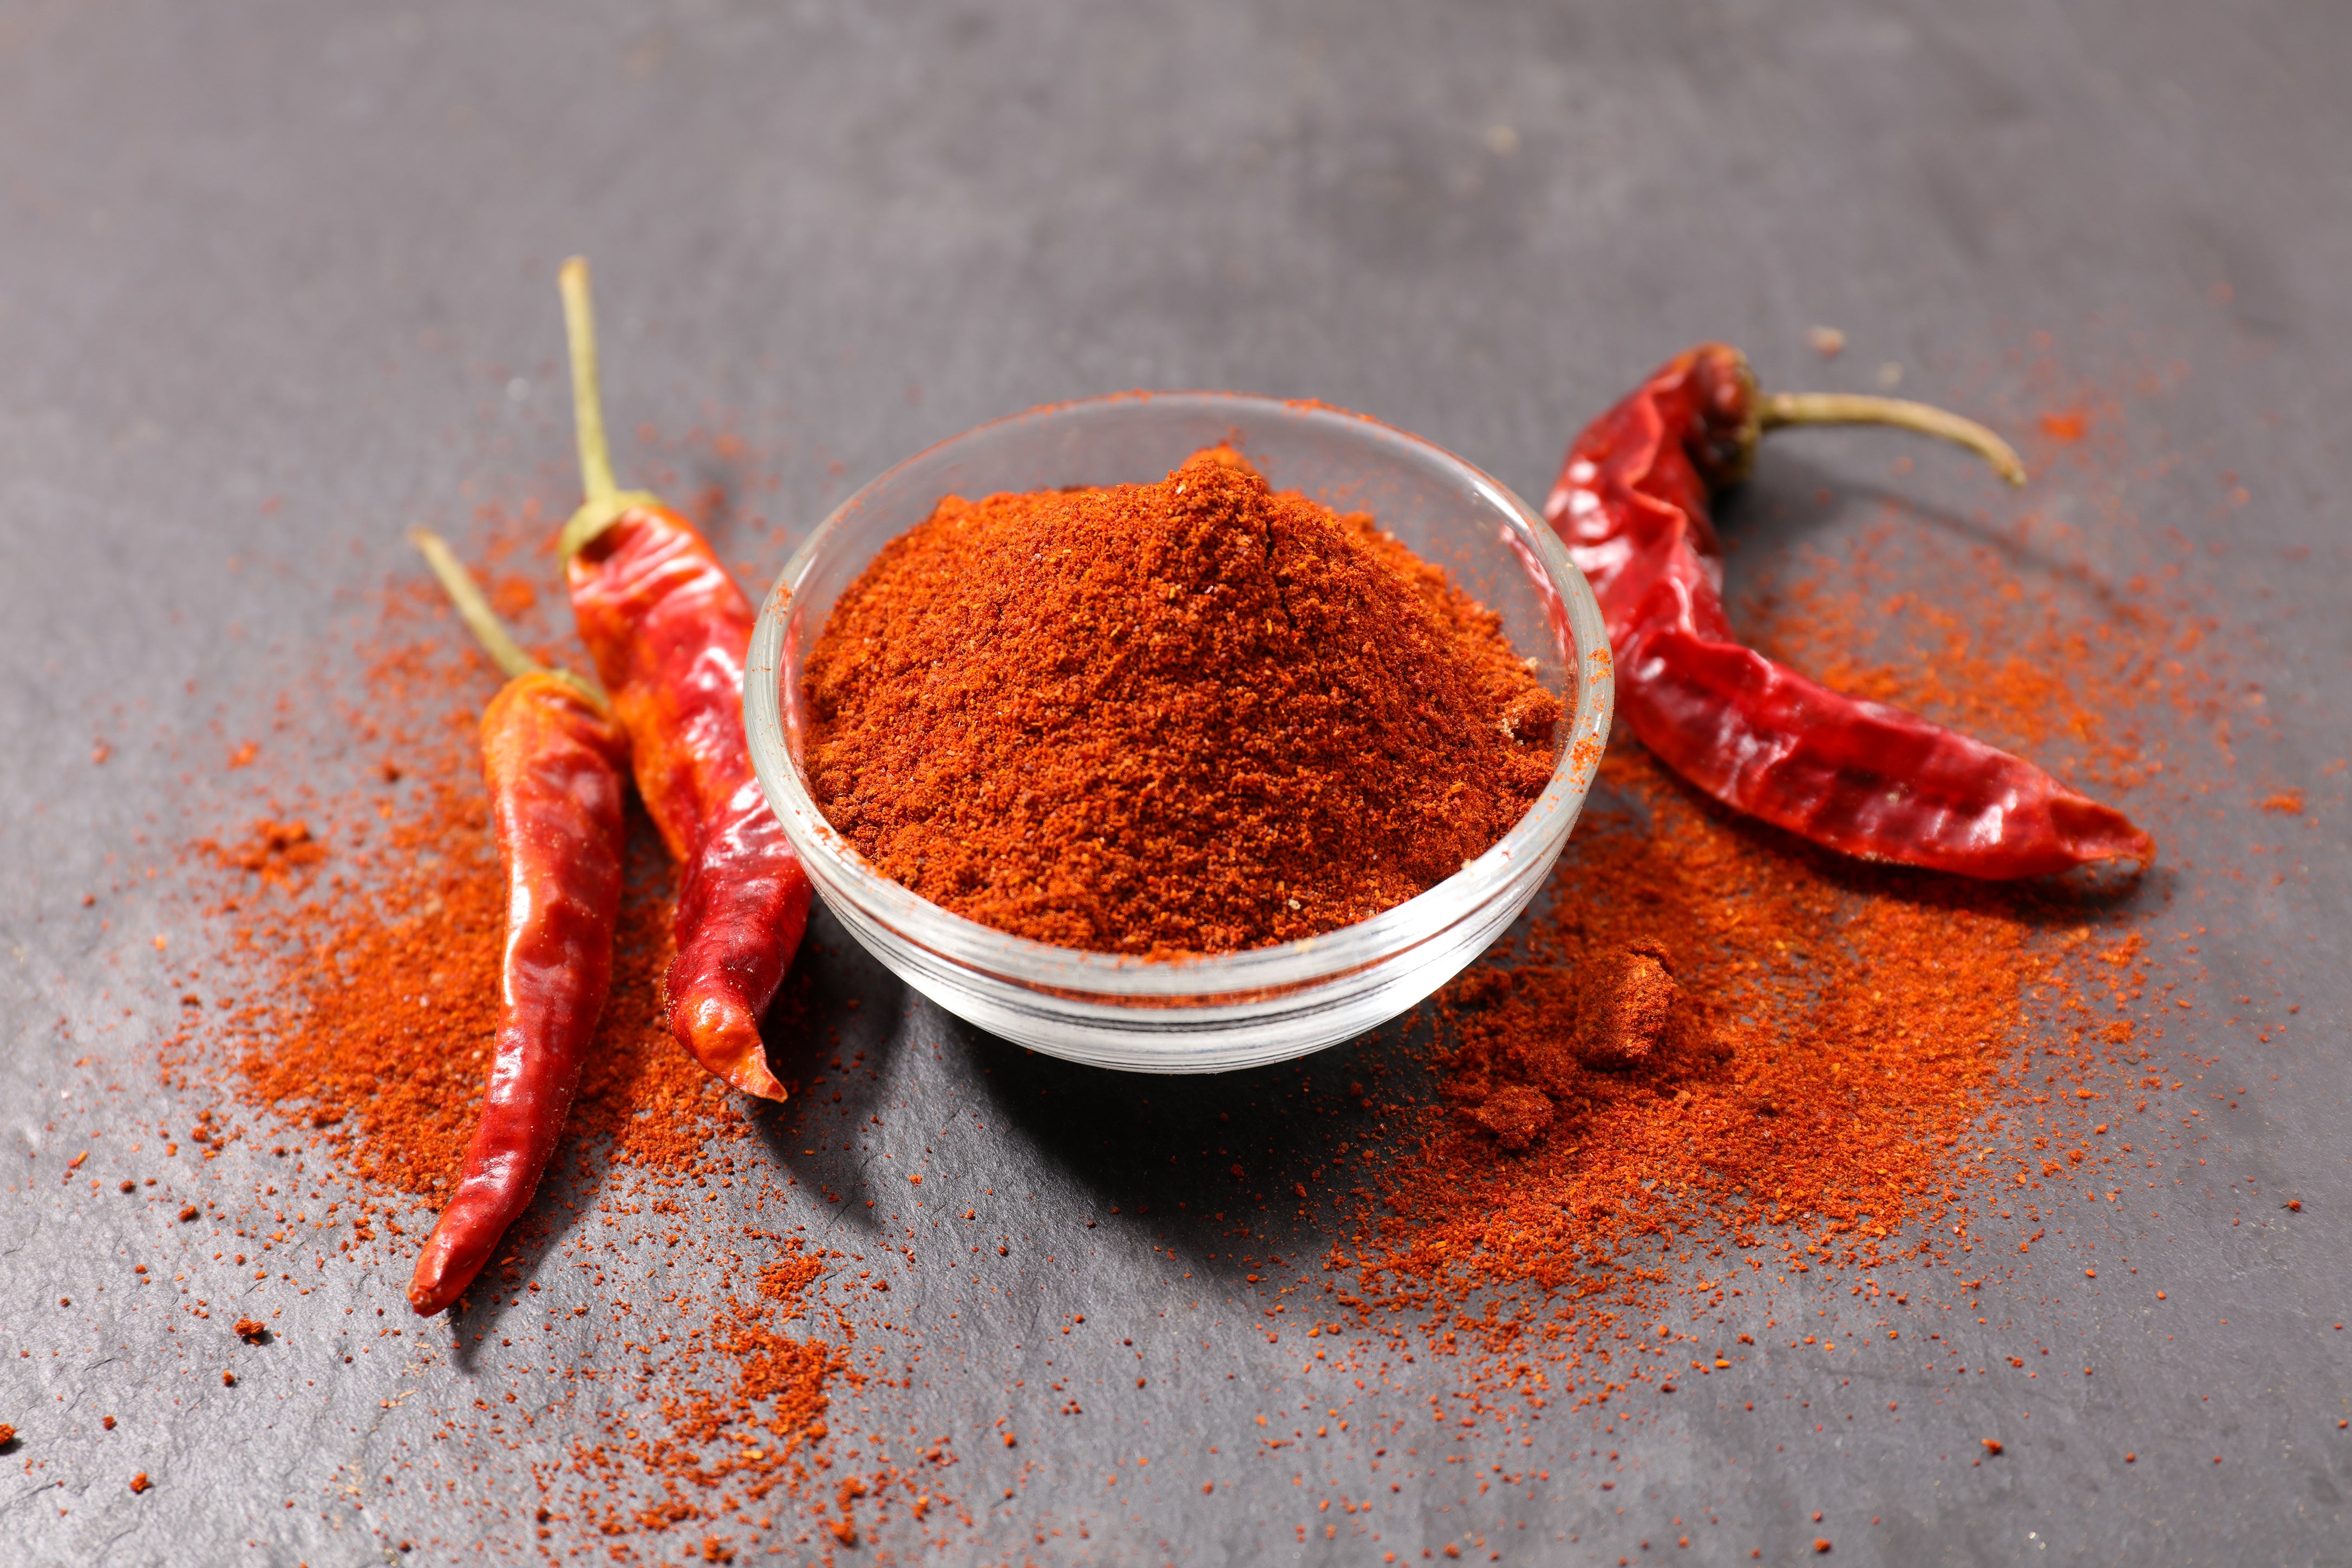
x=1207 y=979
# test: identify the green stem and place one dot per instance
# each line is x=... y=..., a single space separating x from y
x=474 y=609
x=1854 y=408
x=587 y=401
x=605 y=499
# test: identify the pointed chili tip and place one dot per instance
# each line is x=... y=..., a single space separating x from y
x=439 y=1278
x=753 y=1077
x=2092 y=833
x=717 y=1031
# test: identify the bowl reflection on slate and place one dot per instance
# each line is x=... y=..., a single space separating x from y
x=1232 y=1010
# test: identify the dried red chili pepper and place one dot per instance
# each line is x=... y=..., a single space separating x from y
x=1859 y=777
x=554 y=762
x=669 y=631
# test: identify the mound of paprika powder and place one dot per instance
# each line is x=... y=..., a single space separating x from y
x=1189 y=717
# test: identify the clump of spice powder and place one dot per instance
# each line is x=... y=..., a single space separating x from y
x=1717 y=1030
x=1191 y=716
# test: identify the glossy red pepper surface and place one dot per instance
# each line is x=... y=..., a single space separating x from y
x=669 y=631
x=1631 y=502
x=555 y=765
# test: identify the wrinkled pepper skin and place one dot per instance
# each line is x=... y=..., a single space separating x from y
x=556 y=767
x=1632 y=503
x=669 y=631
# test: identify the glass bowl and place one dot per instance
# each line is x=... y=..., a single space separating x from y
x=1209 y=1014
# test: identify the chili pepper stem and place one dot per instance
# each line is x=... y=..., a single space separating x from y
x=1778 y=409
x=605 y=501
x=587 y=401
x=474 y=609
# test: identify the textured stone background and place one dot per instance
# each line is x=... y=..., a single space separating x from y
x=275 y=280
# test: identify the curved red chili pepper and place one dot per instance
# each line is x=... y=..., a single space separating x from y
x=1859 y=776
x=669 y=631
x=554 y=762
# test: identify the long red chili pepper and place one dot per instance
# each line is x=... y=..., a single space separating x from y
x=669 y=631
x=1874 y=780
x=555 y=762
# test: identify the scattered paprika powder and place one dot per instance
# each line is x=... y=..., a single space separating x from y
x=373 y=1003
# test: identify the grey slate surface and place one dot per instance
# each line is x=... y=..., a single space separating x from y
x=274 y=281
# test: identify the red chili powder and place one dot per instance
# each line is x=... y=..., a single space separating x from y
x=1191 y=716
x=1720 y=1059
x=1714 y=1027
x=370 y=953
